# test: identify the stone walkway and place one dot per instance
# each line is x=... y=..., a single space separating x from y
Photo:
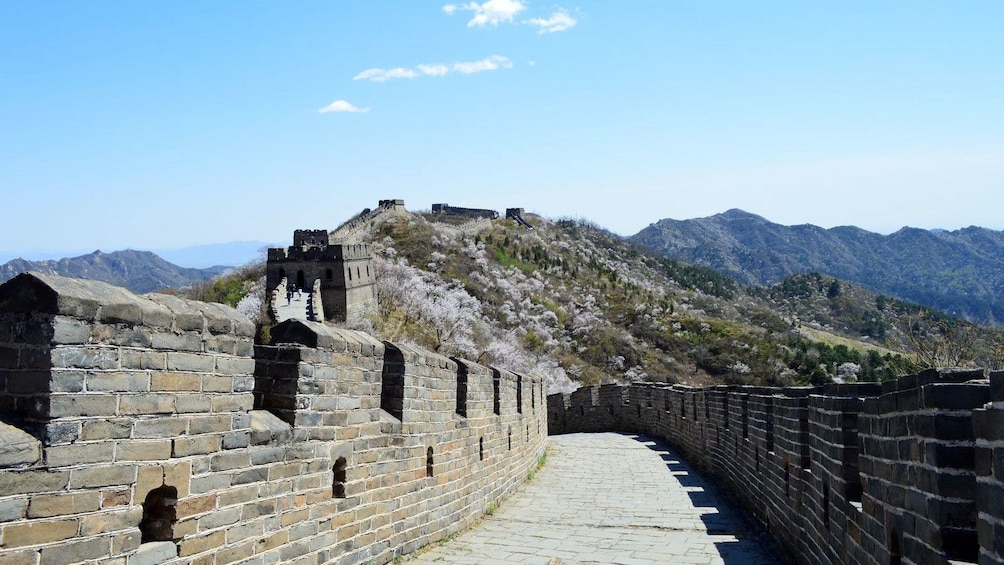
x=297 y=307
x=612 y=499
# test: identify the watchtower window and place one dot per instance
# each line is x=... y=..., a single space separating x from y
x=338 y=484
x=428 y=462
x=357 y=272
x=159 y=515
x=328 y=274
x=350 y=272
x=367 y=271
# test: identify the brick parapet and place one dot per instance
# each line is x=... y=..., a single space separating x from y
x=274 y=453
x=907 y=471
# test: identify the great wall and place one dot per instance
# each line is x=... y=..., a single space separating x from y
x=906 y=471
x=150 y=429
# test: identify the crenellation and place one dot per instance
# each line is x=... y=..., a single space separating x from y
x=908 y=471
x=195 y=446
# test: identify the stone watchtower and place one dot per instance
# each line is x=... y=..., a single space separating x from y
x=343 y=275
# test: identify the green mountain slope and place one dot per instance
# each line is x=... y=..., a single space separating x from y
x=960 y=272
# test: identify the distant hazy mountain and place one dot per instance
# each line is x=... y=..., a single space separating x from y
x=233 y=253
x=960 y=272
x=139 y=271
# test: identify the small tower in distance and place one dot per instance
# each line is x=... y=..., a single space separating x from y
x=343 y=274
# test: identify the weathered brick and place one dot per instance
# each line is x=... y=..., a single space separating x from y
x=153 y=553
x=197 y=545
x=147 y=360
x=62 y=432
x=226 y=365
x=194 y=403
x=237 y=440
x=175 y=381
x=66 y=406
x=102 y=476
x=210 y=424
x=37 y=533
x=113 y=521
x=51 y=505
x=146 y=404
x=67 y=331
x=233 y=403
x=117 y=382
x=196 y=445
x=76 y=551
x=142 y=450
x=179 y=475
x=22 y=557
x=25 y=482
x=70 y=357
x=159 y=427
x=116 y=428
x=13 y=508
x=214 y=383
x=190 y=362
x=127 y=542
x=235 y=553
x=79 y=453
x=176 y=342
x=219 y=518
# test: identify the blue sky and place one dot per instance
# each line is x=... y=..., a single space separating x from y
x=168 y=124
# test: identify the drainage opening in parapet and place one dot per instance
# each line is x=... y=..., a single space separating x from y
x=519 y=394
x=496 y=389
x=481 y=449
x=787 y=476
x=826 y=504
x=428 y=462
x=462 y=377
x=392 y=381
x=338 y=484
x=510 y=438
x=894 y=553
x=159 y=515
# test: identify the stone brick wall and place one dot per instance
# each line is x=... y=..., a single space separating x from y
x=151 y=429
x=908 y=471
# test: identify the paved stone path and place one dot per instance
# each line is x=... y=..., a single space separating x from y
x=297 y=307
x=612 y=499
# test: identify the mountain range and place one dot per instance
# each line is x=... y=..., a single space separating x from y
x=139 y=271
x=960 y=272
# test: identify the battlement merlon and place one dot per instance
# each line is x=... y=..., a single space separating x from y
x=310 y=238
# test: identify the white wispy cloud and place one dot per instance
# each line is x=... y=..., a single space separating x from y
x=341 y=106
x=437 y=70
x=382 y=75
x=560 y=20
x=490 y=63
x=487 y=64
x=491 y=12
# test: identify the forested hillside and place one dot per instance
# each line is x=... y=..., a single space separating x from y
x=579 y=305
x=960 y=272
